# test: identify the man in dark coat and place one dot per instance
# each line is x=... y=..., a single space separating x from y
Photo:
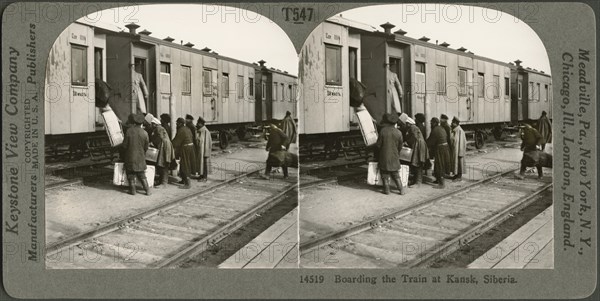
x=446 y=127
x=189 y=122
x=439 y=149
x=416 y=141
x=531 y=139
x=184 y=149
x=420 y=122
x=165 y=121
x=203 y=149
x=288 y=126
x=160 y=139
x=135 y=146
x=275 y=147
x=389 y=144
x=545 y=129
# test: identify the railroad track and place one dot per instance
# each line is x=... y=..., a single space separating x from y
x=424 y=232
x=169 y=234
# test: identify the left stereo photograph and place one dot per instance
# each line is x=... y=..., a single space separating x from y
x=170 y=141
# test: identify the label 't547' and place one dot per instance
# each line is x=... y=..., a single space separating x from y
x=297 y=14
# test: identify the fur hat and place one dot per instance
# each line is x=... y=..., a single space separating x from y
x=136 y=118
x=455 y=120
x=201 y=120
x=180 y=120
x=435 y=120
x=390 y=118
x=444 y=117
x=189 y=117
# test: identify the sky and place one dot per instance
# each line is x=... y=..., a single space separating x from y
x=247 y=36
x=232 y=32
x=486 y=32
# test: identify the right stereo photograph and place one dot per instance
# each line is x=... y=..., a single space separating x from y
x=425 y=140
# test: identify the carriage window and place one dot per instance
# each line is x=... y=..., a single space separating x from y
x=538 y=92
x=186 y=79
x=480 y=85
x=441 y=80
x=462 y=82
x=264 y=90
x=419 y=67
x=78 y=65
x=165 y=68
x=98 y=63
x=225 y=85
x=520 y=89
x=251 y=86
x=530 y=93
x=240 y=86
x=333 y=65
x=207 y=82
x=290 y=91
x=274 y=92
x=546 y=93
x=352 y=58
x=496 y=86
x=506 y=86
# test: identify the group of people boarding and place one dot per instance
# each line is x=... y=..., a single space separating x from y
x=192 y=145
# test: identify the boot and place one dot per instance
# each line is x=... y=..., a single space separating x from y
x=146 y=187
x=386 y=184
x=418 y=177
x=440 y=183
x=399 y=185
x=187 y=184
x=165 y=178
x=285 y=172
x=132 y=186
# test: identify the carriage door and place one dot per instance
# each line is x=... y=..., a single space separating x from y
x=420 y=89
x=469 y=103
x=165 y=91
x=99 y=74
x=353 y=73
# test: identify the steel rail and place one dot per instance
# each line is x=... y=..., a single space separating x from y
x=116 y=225
x=474 y=232
x=365 y=226
x=218 y=235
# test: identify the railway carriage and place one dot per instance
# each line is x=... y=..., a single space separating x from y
x=436 y=80
x=226 y=92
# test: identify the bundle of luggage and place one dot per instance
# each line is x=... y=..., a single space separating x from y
x=282 y=158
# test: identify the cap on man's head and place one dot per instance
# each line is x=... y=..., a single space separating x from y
x=166 y=117
x=288 y=113
x=180 y=120
x=138 y=119
x=444 y=117
x=390 y=118
x=189 y=117
x=435 y=120
x=455 y=120
x=201 y=120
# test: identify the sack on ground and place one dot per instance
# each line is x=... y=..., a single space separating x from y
x=537 y=158
x=282 y=158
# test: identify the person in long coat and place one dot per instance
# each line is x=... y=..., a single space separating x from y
x=184 y=149
x=165 y=122
x=203 y=149
x=439 y=149
x=166 y=154
x=545 y=129
x=140 y=90
x=446 y=126
x=189 y=122
x=389 y=144
x=288 y=126
x=420 y=122
x=135 y=146
x=275 y=144
x=416 y=141
x=531 y=140
x=458 y=145
x=394 y=91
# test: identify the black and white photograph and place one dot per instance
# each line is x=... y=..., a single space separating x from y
x=170 y=141
x=425 y=141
